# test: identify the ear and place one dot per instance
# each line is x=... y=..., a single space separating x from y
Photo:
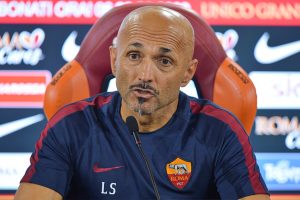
x=189 y=73
x=113 y=56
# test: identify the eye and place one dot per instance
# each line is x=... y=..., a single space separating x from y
x=134 y=56
x=165 y=61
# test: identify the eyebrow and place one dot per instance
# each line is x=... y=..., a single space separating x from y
x=136 y=44
x=161 y=49
x=164 y=50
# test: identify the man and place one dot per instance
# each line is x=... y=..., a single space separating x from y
x=195 y=149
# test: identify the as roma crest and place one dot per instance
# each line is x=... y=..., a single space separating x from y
x=179 y=172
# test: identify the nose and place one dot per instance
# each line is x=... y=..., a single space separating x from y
x=146 y=71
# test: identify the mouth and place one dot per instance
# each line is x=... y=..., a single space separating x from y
x=143 y=93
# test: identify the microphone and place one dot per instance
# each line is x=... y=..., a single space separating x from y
x=133 y=127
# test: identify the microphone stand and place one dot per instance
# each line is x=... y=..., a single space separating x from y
x=133 y=127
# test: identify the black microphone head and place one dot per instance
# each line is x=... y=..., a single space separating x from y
x=132 y=124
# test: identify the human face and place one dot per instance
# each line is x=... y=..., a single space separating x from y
x=150 y=67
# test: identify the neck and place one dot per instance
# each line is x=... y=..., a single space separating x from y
x=150 y=122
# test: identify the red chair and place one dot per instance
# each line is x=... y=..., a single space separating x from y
x=217 y=78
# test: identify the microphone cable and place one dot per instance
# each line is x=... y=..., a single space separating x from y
x=134 y=129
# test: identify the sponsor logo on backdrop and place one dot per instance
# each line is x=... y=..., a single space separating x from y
x=280 y=171
x=266 y=54
x=16 y=125
x=12 y=169
x=72 y=11
x=226 y=12
x=277 y=90
x=70 y=48
x=23 y=89
x=280 y=126
x=23 y=47
x=228 y=40
x=252 y=13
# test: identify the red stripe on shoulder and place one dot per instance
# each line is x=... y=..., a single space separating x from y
x=99 y=101
x=102 y=100
x=241 y=135
x=34 y=158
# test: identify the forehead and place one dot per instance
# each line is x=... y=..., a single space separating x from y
x=158 y=28
x=163 y=34
x=166 y=37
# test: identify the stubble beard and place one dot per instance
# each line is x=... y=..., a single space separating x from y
x=140 y=105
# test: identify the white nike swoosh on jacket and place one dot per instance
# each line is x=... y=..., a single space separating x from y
x=267 y=55
x=13 y=126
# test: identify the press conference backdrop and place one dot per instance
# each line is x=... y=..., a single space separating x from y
x=38 y=37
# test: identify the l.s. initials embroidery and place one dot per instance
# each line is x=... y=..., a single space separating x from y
x=179 y=172
x=111 y=190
